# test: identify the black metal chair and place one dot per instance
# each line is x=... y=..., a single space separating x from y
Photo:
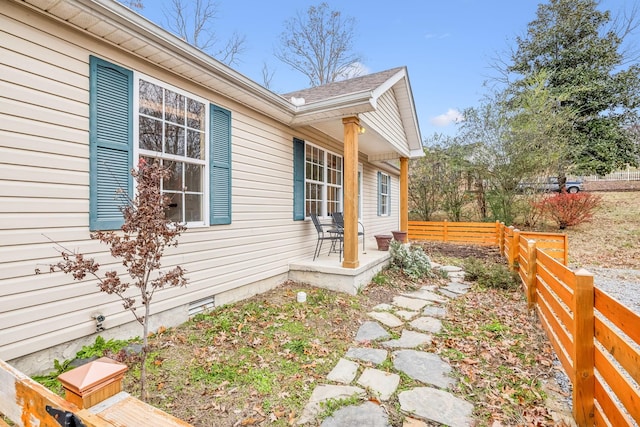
x=326 y=232
x=338 y=220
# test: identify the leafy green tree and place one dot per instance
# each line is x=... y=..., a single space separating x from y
x=577 y=47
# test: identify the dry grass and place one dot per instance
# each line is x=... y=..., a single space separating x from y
x=612 y=239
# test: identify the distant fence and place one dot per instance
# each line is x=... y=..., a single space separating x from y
x=596 y=338
x=630 y=174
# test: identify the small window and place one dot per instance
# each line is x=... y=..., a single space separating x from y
x=384 y=194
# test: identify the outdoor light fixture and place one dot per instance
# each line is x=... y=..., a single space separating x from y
x=361 y=130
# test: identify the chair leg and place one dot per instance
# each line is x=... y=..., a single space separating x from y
x=318 y=249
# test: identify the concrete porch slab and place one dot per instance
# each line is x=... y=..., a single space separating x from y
x=327 y=271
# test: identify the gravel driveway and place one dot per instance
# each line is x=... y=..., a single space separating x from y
x=621 y=284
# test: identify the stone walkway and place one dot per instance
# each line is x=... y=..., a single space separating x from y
x=393 y=338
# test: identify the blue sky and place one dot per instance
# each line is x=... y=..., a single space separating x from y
x=446 y=45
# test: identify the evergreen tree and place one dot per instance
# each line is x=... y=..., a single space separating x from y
x=573 y=43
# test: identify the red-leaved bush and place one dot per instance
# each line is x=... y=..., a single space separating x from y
x=567 y=209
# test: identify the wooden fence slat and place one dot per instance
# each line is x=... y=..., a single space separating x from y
x=557 y=269
x=557 y=336
x=618 y=314
x=565 y=295
x=627 y=356
x=625 y=391
x=610 y=410
x=556 y=307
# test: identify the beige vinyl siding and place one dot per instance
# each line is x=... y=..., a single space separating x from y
x=44 y=191
x=387 y=122
x=44 y=179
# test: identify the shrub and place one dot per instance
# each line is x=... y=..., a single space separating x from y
x=567 y=209
x=412 y=261
x=490 y=274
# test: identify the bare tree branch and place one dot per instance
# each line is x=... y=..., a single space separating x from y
x=319 y=44
x=193 y=21
x=267 y=75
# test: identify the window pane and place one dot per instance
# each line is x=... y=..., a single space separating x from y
x=174 y=139
x=195 y=144
x=150 y=134
x=193 y=207
x=174 y=182
x=174 y=107
x=150 y=99
x=174 y=212
x=195 y=114
x=193 y=177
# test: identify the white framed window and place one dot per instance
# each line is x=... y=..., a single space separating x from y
x=384 y=194
x=323 y=181
x=171 y=126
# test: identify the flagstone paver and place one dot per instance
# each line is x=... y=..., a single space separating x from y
x=373 y=355
x=435 y=311
x=424 y=367
x=436 y=405
x=384 y=384
x=458 y=288
x=383 y=307
x=420 y=310
x=450 y=268
x=371 y=331
x=427 y=324
x=386 y=318
x=426 y=295
x=323 y=393
x=344 y=372
x=449 y=294
x=366 y=415
x=406 y=315
x=408 y=339
x=409 y=303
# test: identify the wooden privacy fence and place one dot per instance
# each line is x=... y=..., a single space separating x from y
x=596 y=338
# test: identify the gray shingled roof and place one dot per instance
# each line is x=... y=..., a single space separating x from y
x=344 y=87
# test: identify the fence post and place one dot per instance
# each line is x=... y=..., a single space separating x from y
x=502 y=239
x=514 y=248
x=532 y=271
x=498 y=233
x=583 y=349
x=445 y=231
x=566 y=250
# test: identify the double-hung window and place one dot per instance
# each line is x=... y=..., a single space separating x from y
x=172 y=130
x=384 y=194
x=135 y=116
x=322 y=180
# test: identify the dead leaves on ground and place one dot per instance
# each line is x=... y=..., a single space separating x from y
x=501 y=355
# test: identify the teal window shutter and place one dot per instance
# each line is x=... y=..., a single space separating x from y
x=298 y=179
x=110 y=143
x=220 y=166
x=379 y=193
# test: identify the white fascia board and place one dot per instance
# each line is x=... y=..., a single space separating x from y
x=138 y=26
x=355 y=103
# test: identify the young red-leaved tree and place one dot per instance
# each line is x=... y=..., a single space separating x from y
x=140 y=244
